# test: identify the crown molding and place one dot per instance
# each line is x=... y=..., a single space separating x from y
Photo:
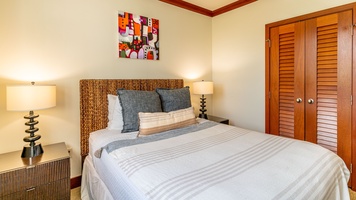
x=232 y=6
x=207 y=12
x=189 y=6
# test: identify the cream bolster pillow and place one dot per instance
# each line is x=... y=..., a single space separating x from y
x=161 y=121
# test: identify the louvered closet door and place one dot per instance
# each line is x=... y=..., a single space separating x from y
x=310 y=82
x=328 y=82
x=287 y=80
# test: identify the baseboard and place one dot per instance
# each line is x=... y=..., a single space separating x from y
x=75 y=182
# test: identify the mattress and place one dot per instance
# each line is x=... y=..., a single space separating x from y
x=219 y=162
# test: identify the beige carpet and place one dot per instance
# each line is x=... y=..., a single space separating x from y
x=75 y=194
x=352 y=195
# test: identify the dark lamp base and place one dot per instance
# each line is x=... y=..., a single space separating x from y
x=32 y=151
x=204 y=116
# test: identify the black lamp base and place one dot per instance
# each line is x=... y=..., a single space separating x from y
x=32 y=151
x=202 y=109
x=203 y=116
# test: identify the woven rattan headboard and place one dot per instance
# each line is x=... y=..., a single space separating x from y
x=94 y=104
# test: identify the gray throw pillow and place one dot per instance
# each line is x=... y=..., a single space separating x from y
x=174 y=99
x=135 y=101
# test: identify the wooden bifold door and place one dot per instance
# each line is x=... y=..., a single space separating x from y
x=309 y=80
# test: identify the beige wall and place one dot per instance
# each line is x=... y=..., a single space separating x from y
x=239 y=56
x=62 y=41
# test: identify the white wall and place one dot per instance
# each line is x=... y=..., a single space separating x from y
x=62 y=41
x=239 y=56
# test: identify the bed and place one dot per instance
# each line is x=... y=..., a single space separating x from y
x=169 y=154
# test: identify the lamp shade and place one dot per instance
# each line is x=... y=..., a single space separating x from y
x=30 y=97
x=203 y=87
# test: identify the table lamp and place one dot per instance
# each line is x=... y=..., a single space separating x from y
x=203 y=88
x=29 y=98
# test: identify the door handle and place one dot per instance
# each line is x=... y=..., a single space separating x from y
x=299 y=100
x=310 y=101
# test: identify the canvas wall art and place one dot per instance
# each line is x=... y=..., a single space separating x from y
x=138 y=36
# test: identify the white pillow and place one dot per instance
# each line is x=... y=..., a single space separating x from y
x=157 y=122
x=111 y=106
x=115 y=113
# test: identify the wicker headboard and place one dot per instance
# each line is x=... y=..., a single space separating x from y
x=94 y=104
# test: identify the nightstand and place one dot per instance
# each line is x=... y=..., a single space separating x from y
x=218 y=119
x=43 y=177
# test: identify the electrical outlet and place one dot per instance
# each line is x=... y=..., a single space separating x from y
x=69 y=149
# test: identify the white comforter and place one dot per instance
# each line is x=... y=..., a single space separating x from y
x=226 y=162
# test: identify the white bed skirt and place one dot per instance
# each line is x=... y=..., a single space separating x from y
x=92 y=187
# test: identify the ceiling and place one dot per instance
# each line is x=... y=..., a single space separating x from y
x=209 y=7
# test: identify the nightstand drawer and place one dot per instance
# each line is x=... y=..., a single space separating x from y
x=54 y=190
x=33 y=176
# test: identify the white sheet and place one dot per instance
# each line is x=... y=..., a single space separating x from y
x=102 y=137
x=92 y=186
x=110 y=174
x=226 y=162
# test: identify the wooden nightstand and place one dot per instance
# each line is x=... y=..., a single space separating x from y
x=218 y=119
x=43 y=177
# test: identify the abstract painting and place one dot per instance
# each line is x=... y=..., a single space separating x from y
x=138 y=37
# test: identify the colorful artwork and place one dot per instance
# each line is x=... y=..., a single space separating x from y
x=138 y=37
